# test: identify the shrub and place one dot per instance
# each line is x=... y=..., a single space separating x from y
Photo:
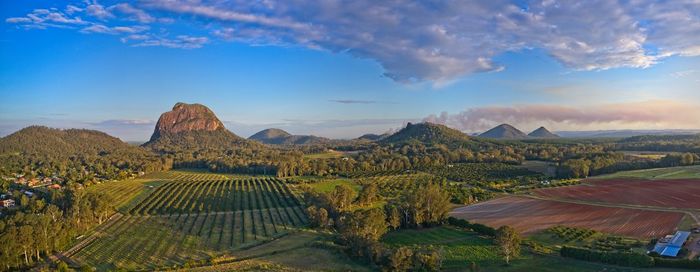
x=615 y=258
x=476 y=227
x=670 y=263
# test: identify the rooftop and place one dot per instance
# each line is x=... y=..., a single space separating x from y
x=671 y=247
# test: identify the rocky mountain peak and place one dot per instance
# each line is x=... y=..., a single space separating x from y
x=187 y=117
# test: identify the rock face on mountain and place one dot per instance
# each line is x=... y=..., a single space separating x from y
x=543 y=133
x=504 y=131
x=186 y=118
x=193 y=127
x=280 y=137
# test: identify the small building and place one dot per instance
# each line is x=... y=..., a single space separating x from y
x=7 y=203
x=670 y=245
x=33 y=182
x=55 y=186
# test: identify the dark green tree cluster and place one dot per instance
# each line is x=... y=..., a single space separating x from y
x=42 y=227
x=610 y=162
x=663 y=143
x=424 y=206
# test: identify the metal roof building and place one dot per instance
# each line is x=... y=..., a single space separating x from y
x=671 y=246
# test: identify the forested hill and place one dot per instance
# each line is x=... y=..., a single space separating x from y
x=65 y=152
x=281 y=137
x=429 y=133
x=664 y=143
x=57 y=142
x=504 y=131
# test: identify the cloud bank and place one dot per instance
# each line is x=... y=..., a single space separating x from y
x=653 y=114
x=413 y=41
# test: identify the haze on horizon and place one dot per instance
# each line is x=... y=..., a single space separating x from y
x=342 y=69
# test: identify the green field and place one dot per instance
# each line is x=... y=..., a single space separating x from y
x=121 y=192
x=681 y=172
x=298 y=251
x=461 y=247
x=329 y=185
x=190 y=217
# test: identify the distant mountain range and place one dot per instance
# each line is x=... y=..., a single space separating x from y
x=508 y=132
x=194 y=126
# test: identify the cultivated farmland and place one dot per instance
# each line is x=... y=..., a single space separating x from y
x=677 y=193
x=192 y=217
x=529 y=215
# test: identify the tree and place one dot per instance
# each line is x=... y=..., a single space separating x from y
x=426 y=205
x=508 y=240
x=341 y=198
x=399 y=259
x=393 y=217
x=687 y=159
x=427 y=260
x=368 y=194
x=361 y=229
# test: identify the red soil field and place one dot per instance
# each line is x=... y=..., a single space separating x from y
x=529 y=215
x=683 y=194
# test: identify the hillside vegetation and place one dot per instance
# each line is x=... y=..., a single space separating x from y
x=76 y=154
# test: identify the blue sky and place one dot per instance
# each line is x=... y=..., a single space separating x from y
x=341 y=70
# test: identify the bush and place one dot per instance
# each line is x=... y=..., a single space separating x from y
x=615 y=258
x=670 y=263
x=479 y=228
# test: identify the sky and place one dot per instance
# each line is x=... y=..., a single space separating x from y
x=341 y=69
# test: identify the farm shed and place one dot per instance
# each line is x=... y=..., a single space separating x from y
x=670 y=246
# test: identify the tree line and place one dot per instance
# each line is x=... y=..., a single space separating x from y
x=42 y=226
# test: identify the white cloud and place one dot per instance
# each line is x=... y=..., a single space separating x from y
x=416 y=41
x=181 y=41
x=70 y=9
x=98 y=11
x=98 y=28
x=133 y=13
x=684 y=73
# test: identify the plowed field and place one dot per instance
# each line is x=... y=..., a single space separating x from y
x=529 y=215
x=676 y=193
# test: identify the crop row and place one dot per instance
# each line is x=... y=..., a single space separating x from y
x=175 y=239
x=216 y=196
x=119 y=192
x=393 y=185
